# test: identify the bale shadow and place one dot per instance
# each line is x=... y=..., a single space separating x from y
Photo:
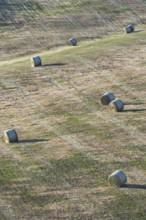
x=134 y=186
x=32 y=140
x=138 y=31
x=134 y=103
x=53 y=64
x=135 y=110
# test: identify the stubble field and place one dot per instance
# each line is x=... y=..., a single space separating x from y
x=69 y=143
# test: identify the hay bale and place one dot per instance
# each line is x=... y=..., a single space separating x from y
x=107 y=98
x=36 y=61
x=117 y=105
x=10 y=136
x=118 y=178
x=72 y=42
x=129 y=28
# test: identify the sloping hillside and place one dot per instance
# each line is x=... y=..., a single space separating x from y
x=32 y=26
x=69 y=143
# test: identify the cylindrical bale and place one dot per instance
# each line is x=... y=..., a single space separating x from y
x=118 y=178
x=72 y=41
x=36 y=61
x=107 y=98
x=10 y=136
x=117 y=105
x=129 y=28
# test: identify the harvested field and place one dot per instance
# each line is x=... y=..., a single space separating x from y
x=69 y=143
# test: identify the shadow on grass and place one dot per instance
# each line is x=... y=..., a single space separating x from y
x=138 y=31
x=134 y=103
x=32 y=140
x=134 y=186
x=135 y=110
x=53 y=64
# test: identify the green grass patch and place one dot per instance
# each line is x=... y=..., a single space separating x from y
x=75 y=163
x=126 y=205
x=76 y=125
x=9 y=173
x=138 y=163
x=29 y=196
x=74 y=169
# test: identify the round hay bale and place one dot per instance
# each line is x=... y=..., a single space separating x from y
x=72 y=42
x=117 y=105
x=36 y=61
x=118 y=178
x=10 y=136
x=107 y=98
x=129 y=28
